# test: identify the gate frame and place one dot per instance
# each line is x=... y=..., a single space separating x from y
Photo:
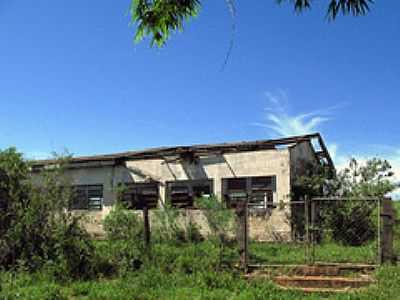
x=384 y=244
x=385 y=222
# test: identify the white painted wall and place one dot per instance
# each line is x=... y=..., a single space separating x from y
x=276 y=162
x=254 y=163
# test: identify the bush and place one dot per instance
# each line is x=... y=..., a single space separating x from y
x=353 y=223
x=123 y=224
x=220 y=220
x=36 y=228
x=125 y=239
x=166 y=225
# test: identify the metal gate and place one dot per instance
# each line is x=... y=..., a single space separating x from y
x=317 y=230
x=343 y=230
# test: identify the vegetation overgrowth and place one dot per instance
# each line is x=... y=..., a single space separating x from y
x=46 y=254
x=185 y=271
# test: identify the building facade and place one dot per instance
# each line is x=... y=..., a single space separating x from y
x=264 y=171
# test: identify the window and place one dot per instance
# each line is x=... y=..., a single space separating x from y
x=182 y=193
x=234 y=190
x=260 y=190
x=139 y=195
x=87 y=197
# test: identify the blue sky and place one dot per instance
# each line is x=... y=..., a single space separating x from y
x=72 y=78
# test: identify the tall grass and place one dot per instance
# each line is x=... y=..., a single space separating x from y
x=183 y=271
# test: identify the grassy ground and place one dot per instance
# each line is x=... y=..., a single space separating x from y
x=187 y=271
x=152 y=284
x=269 y=253
x=183 y=272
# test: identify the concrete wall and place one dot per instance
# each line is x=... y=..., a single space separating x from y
x=255 y=163
x=266 y=226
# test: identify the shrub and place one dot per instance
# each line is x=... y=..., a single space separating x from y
x=123 y=224
x=166 y=226
x=352 y=222
x=36 y=228
x=174 y=225
x=125 y=239
x=220 y=221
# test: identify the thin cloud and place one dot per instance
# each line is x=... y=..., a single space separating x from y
x=283 y=123
x=280 y=121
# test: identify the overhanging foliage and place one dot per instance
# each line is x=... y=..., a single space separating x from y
x=157 y=19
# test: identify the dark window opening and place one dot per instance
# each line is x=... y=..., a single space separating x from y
x=87 y=197
x=140 y=195
x=182 y=193
x=259 y=191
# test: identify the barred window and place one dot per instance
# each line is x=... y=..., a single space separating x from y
x=139 y=195
x=259 y=190
x=182 y=193
x=87 y=197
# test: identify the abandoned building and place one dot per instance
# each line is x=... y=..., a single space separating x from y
x=262 y=170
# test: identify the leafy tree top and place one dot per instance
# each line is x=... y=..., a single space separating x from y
x=157 y=19
x=374 y=178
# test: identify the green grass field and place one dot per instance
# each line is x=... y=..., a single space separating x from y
x=281 y=253
x=187 y=271
x=150 y=283
x=183 y=272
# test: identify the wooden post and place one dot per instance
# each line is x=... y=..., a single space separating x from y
x=388 y=219
x=242 y=233
x=146 y=228
x=307 y=229
x=313 y=229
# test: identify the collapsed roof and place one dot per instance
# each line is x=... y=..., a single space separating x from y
x=315 y=139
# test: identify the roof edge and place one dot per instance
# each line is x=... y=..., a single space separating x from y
x=198 y=149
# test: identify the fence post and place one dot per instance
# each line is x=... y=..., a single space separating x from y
x=307 y=228
x=313 y=229
x=242 y=233
x=146 y=228
x=388 y=218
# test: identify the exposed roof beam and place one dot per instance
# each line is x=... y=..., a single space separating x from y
x=205 y=149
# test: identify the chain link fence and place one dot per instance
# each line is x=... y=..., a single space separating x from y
x=318 y=230
x=309 y=231
x=277 y=234
x=344 y=230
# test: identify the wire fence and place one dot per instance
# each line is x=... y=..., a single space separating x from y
x=278 y=234
x=344 y=230
x=309 y=231
x=323 y=230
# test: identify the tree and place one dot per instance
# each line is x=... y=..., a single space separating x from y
x=374 y=178
x=352 y=221
x=36 y=228
x=157 y=19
